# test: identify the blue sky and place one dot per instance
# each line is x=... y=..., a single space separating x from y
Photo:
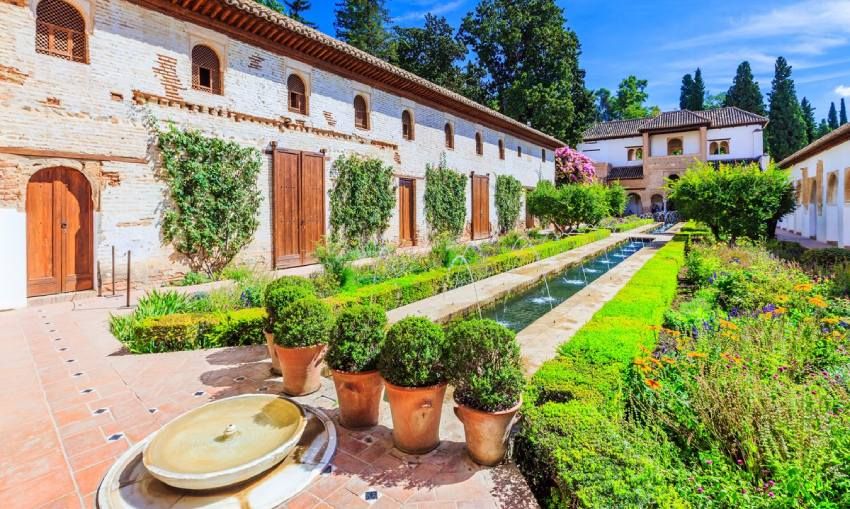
x=661 y=40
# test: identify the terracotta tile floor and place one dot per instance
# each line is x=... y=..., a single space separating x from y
x=74 y=402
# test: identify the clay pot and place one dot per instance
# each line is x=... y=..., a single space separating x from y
x=272 y=353
x=302 y=368
x=486 y=433
x=416 y=416
x=359 y=395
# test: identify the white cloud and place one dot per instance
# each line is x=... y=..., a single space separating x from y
x=842 y=90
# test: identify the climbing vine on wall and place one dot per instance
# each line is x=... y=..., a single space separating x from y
x=362 y=200
x=445 y=199
x=214 y=199
x=508 y=195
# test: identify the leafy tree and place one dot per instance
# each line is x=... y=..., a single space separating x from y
x=363 y=24
x=823 y=129
x=842 y=116
x=214 y=198
x=809 y=117
x=568 y=206
x=832 y=117
x=685 y=91
x=531 y=63
x=787 y=129
x=295 y=9
x=445 y=199
x=362 y=199
x=734 y=201
x=508 y=194
x=745 y=92
x=630 y=98
x=273 y=5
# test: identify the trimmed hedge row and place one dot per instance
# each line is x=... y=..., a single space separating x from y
x=574 y=447
x=191 y=331
x=407 y=289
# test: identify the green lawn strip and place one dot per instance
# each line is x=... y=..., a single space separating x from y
x=574 y=448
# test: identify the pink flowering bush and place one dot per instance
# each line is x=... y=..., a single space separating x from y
x=573 y=167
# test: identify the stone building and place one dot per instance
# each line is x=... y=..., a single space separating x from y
x=820 y=172
x=80 y=79
x=642 y=153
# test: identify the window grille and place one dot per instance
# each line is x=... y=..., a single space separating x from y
x=206 y=70
x=60 y=31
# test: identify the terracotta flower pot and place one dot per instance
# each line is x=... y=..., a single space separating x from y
x=302 y=368
x=272 y=352
x=359 y=396
x=416 y=416
x=486 y=433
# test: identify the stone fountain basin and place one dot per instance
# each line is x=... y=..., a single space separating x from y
x=225 y=442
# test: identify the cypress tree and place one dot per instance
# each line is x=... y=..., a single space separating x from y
x=686 y=91
x=832 y=117
x=295 y=9
x=786 y=130
x=697 y=95
x=842 y=117
x=809 y=118
x=363 y=24
x=745 y=92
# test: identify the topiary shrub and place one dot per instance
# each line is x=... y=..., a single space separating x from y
x=508 y=194
x=306 y=322
x=362 y=199
x=357 y=338
x=484 y=365
x=414 y=353
x=282 y=292
x=445 y=199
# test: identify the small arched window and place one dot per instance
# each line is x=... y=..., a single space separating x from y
x=479 y=144
x=450 y=136
x=206 y=70
x=361 y=113
x=297 y=94
x=674 y=147
x=60 y=31
x=502 y=149
x=407 y=125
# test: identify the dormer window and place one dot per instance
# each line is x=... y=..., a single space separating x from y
x=60 y=31
x=675 y=147
x=297 y=94
x=206 y=70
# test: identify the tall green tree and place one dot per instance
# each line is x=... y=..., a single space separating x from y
x=745 y=92
x=363 y=24
x=832 y=117
x=809 y=117
x=434 y=53
x=842 y=114
x=686 y=91
x=295 y=9
x=531 y=63
x=786 y=130
x=630 y=99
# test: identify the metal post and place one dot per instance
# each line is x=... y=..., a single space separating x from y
x=128 y=278
x=113 y=271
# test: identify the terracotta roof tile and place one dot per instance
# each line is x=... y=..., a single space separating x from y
x=721 y=117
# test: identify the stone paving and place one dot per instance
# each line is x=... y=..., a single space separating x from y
x=74 y=401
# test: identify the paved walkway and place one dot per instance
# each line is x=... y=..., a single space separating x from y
x=74 y=401
x=806 y=242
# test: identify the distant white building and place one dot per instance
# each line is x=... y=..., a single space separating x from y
x=642 y=153
x=820 y=172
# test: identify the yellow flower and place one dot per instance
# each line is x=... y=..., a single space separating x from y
x=652 y=384
x=817 y=301
x=697 y=355
x=803 y=287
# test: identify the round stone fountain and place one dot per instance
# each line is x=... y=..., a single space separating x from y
x=252 y=451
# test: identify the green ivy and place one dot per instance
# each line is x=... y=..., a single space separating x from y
x=214 y=199
x=508 y=192
x=362 y=200
x=445 y=199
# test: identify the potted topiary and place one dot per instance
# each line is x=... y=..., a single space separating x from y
x=484 y=365
x=353 y=350
x=301 y=339
x=411 y=363
x=279 y=294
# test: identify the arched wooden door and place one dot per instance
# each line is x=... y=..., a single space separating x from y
x=59 y=232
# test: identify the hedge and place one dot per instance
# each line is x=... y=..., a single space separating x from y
x=575 y=447
x=191 y=331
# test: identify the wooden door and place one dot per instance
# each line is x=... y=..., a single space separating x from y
x=298 y=206
x=480 y=206
x=407 y=212
x=59 y=232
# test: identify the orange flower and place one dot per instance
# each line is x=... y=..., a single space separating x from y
x=697 y=355
x=652 y=384
x=817 y=301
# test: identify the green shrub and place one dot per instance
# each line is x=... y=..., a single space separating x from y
x=414 y=353
x=357 y=338
x=282 y=292
x=305 y=322
x=484 y=365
